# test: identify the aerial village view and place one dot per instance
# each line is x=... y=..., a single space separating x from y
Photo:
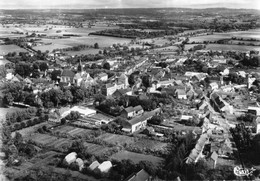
x=136 y=92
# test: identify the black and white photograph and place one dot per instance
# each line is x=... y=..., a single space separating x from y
x=129 y=90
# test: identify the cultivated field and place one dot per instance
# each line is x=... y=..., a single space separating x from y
x=51 y=47
x=228 y=35
x=4 y=49
x=116 y=139
x=137 y=157
x=149 y=144
x=96 y=150
x=43 y=139
x=83 y=52
x=221 y=47
x=72 y=131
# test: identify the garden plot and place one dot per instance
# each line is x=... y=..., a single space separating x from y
x=149 y=144
x=116 y=139
x=137 y=157
x=43 y=139
x=72 y=131
x=219 y=47
x=96 y=150
x=4 y=49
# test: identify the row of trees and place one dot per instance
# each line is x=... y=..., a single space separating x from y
x=19 y=116
x=17 y=92
x=134 y=33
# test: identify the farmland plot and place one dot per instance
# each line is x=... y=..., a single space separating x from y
x=72 y=131
x=43 y=139
x=149 y=144
x=136 y=157
x=219 y=47
x=96 y=150
x=116 y=139
x=4 y=49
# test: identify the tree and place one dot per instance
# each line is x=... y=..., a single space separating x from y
x=43 y=66
x=78 y=95
x=146 y=81
x=96 y=46
x=18 y=139
x=106 y=66
x=156 y=120
x=93 y=66
x=131 y=79
x=55 y=74
x=8 y=99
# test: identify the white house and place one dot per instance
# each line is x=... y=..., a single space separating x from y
x=71 y=157
x=81 y=109
x=105 y=167
x=94 y=165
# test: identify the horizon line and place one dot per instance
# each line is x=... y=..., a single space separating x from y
x=217 y=7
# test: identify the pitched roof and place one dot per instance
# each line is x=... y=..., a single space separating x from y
x=145 y=116
x=214 y=156
x=129 y=109
x=142 y=175
x=138 y=108
x=181 y=92
x=67 y=73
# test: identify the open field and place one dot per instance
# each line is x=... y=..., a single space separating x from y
x=255 y=33
x=3 y=111
x=215 y=37
x=256 y=43
x=51 y=47
x=136 y=157
x=83 y=52
x=3 y=62
x=4 y=49
x=103 y=41
x=116 y=139
x=221 y=47
x=165 y=49
x=149 y=144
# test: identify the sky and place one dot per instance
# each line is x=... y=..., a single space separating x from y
x=92 y=4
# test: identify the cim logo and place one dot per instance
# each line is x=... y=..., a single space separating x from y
x=243 y=172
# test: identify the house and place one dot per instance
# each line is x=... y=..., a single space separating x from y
x=71 y=157
x=9 y=74
x=104 y=167
x=213 y=159
x=67 y=76
x=102 y=76
x=139 y=122
x=142 y=175
x=109 y=89
x=54 y=116
x=94 y=165
x=213 y=85
x=257 y=125
x=121 y=92
x=81 y=76
x=186 y=117
x=132 y=111
x=254 y=110
x=85 y=111
x=181 y=94
x=80 y=163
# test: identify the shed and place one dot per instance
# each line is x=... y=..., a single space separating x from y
x=105 y=167
x=94 y=165
x=71 y=157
